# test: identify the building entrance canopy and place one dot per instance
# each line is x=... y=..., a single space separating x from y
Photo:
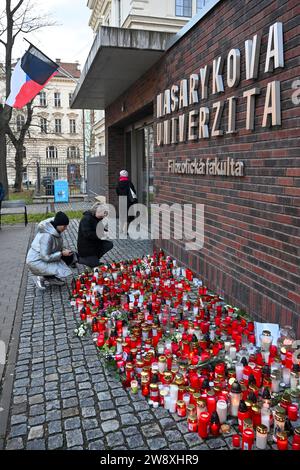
x=117 y=59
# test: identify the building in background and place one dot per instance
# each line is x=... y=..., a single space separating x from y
x=54 y=144
x=151 y=15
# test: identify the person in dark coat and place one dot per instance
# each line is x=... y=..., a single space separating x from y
x=126 y=188
x=90 y=247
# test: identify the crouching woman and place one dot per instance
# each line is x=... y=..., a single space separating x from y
x=46 y=258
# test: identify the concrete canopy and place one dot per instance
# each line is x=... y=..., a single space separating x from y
x=118 y=57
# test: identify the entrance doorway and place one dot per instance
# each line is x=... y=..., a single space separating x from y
x=139 y=159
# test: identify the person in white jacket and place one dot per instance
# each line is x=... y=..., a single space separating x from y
x=47 y=259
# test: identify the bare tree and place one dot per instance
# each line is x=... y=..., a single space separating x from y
x=18 y=17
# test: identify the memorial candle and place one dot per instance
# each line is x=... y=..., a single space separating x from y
x=222 y=410
x=261 y=436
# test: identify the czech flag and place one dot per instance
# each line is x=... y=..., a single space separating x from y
x=31 y=73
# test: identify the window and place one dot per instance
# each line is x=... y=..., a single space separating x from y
x=51 y=152
x=72 y=126
x=20 y=122
x=57 y=102
x=70 y=99
x=183 y=8
x=58 y=126
x=52 y=171
x=43 y=123
x=73 y=152
x=42 y=96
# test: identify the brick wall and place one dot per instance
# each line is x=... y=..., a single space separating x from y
x=251 y=249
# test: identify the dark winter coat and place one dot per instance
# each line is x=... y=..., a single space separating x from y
x=88 y=243
x=123 y=189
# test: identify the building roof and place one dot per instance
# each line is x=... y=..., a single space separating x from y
x=71 y=67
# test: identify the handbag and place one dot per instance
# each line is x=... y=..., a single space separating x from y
x=132 y=196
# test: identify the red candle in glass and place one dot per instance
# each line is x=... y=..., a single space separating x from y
x=236 y=440
x=247 y=439
x=293 y=412
x=211 y=404
x=282 y=443
x=295 y=446
x=203 y=424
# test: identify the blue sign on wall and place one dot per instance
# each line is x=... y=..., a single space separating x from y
x=61 y=191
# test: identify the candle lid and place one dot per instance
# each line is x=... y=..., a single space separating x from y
x=281 y=435
x=297 y=431
x=235 y=387
x=262 y=429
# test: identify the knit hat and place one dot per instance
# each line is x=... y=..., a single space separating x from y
x=124 y=173
x=60 y=219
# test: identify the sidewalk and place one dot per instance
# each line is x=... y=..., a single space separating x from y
x=63 y=396
x=14 y=241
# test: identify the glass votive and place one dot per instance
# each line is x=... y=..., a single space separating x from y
x=286 y=375
x=261 y=436
x=236 y=440
x=167 y=403
x=186 y=398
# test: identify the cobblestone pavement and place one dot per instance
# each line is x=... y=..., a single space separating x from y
x=63 y=396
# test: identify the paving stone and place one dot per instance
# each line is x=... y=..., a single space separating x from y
x=193 y=439
x=104 y=415
x=120 y=401
x=173 y=435
x=168 y=423
x=216 y=443
x=19 y=430
x=70 y=412
x=102 y=396
x=145 y=416
x=141 y=405
x=90 y=423
x=106 y=405
x=54 y=427
x=125 y=409
x=97 y=445
x=88 y=412
x=15 y=444
x=183 y=427
x=38 y=444
x=55 y=442
x=72 y=423
x=53 y=415
x=134 y=441
x=74 y=438
x=151 y=430
x=18 y=419
x=157 y=443
x=36 y=420
x=70 y=402
x=127 y=419
x=114 y=439
x=36 y=432
x=36 y=399
x=178 y=446
x=53 y=405
x=93 y=434
x=111 y=425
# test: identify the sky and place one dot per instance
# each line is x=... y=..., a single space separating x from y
x=70 y=40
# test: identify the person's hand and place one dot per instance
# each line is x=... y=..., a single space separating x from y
x=66 y=252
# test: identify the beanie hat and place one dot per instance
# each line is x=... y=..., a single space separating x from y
x=60 y=219
x=124 y=173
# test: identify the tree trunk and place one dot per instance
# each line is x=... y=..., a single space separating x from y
x=3 y=152
x=19 y=168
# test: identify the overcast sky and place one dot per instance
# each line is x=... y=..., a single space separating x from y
x=70 y=40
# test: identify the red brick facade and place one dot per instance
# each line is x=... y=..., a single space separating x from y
x=251 y=249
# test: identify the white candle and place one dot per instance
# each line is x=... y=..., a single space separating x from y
x=261 y=437
x=174 y=392
x=286 y=375
x=167 y=402
x=275 y=382
x=186 y=398
x=222 y=410
x=265 y=416
x=294 y=380
x=239 y=371
x=172 y=405
x=232 y=352
x=227 y=345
